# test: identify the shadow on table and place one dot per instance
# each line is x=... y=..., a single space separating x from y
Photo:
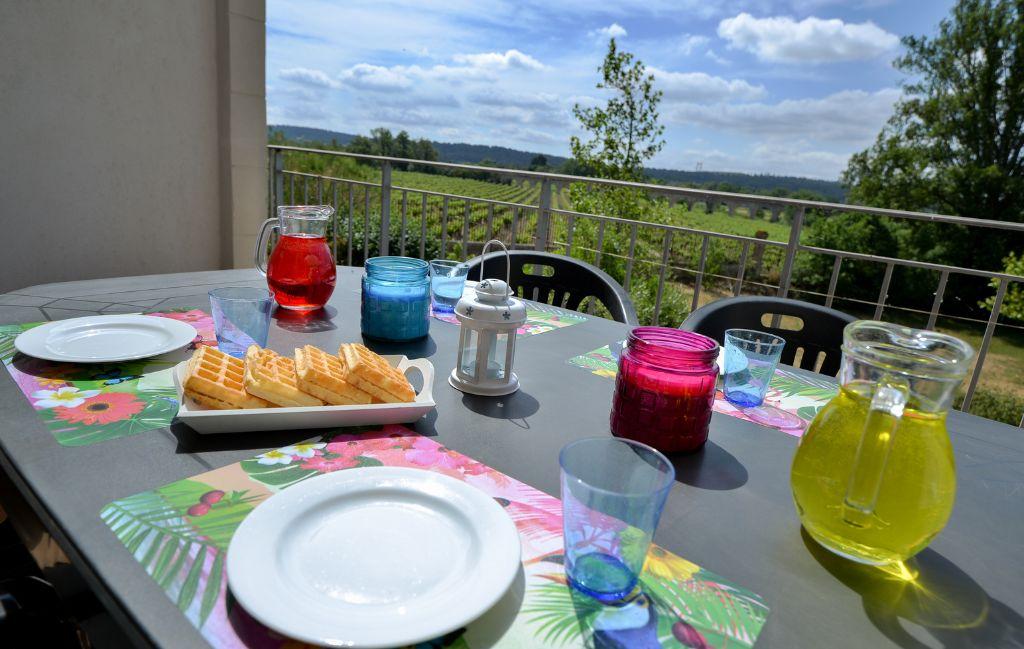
x=422 y=348
x=941 y=598
x=485 y=631
x=712 y=467
x=516 y=406
x=189 y=441
x=306 y=322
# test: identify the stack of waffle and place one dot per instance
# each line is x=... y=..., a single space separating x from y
x=265 y=379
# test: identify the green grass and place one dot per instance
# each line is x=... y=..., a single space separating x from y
x=721 y=221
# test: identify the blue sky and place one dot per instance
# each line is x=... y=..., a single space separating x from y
x=762 y=86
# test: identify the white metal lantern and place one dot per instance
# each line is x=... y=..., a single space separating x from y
x=487 y=343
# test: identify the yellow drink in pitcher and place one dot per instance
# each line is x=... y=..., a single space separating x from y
x=917 y=489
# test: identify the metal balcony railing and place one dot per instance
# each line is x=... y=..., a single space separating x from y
x=545 y=223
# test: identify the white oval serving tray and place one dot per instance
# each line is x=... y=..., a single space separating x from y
x=209 y=420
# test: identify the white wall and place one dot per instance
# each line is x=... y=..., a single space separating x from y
x=132 y=136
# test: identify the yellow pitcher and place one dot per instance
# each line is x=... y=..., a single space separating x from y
x=873 y=478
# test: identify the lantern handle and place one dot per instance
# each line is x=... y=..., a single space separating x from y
x=508 y=265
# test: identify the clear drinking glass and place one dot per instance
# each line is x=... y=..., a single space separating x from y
x=447 y=279
x=241 y=317
x=613 y=491
x=750 y=360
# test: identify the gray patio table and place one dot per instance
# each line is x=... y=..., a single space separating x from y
x=730 y=511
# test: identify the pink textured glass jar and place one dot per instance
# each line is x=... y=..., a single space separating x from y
x=665 y=389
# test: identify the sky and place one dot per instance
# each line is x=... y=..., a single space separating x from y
x=786 y=87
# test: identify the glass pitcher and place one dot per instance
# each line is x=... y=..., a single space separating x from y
x=301 y=272
x=873 y=478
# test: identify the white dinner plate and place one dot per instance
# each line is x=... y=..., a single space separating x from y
x=373 y=557
x=105 y=338
x=206 y=420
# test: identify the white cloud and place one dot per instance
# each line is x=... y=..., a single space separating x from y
x=499 y=61
x=396 y=78
x=716 y=58
x=690 y=42
x=852 y=116
x=364 y=76
x=615 y=30
x=702 y=88
x=811 y=40
x=404 y=117
x=530 y=100
x=308 y=77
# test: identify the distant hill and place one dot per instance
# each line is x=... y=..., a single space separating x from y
x=460 y=152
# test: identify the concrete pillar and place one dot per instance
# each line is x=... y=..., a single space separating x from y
x=242 y=117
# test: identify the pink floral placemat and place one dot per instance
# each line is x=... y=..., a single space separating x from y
x=180 y=534
x=88 y=404
x=795 y=397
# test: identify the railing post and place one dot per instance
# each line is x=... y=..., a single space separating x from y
x=385 y=207
x=278 y=180
x=791 y=247
x=990 y=329
x=543 y=216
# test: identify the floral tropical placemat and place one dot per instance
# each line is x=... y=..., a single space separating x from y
x=540 y=318
x=88 y=404
x=788 y=391
x=180 y=534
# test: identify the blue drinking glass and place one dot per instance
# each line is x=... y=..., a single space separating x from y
x=750 y=360
x=613 y=492
x=447 y=279
x=241 y=317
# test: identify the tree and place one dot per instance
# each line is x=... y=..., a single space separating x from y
x=361 y=144
x=384 y=142
x=625 y=132
x=403 y=145
x=539 y=162
x=954 y=144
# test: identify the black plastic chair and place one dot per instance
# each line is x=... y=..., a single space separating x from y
x=821 y=328
x=557 y=280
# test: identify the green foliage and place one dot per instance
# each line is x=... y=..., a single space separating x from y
x=172 y=546
x=1013 y=301
x=997 y=405
x=852 y=233
x=625 y=132
x=956 y=141
x=539 y=162
x=675 y=306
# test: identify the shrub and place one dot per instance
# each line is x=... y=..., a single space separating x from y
x=997 y=405
x=852 y=233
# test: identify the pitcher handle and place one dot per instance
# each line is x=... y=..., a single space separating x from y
x=884 y=414
x=261 y=245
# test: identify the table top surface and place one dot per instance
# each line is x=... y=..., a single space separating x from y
x=731 y=510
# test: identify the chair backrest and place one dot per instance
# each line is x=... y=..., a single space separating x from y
x=557 y=280
x=819 y=329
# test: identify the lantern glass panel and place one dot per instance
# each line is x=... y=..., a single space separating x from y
x=496 y=365
x=471 y=340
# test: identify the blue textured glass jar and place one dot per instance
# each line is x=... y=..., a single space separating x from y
x=396 y=298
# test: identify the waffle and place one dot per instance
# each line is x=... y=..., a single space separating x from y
x=371 y=373
x=271 y=376
x=321 y=375
x=215 y=380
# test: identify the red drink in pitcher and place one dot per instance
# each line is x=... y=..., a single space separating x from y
x=300 y=272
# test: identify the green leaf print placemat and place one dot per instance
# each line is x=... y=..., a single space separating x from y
x=83 y=404
x=180 y=533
